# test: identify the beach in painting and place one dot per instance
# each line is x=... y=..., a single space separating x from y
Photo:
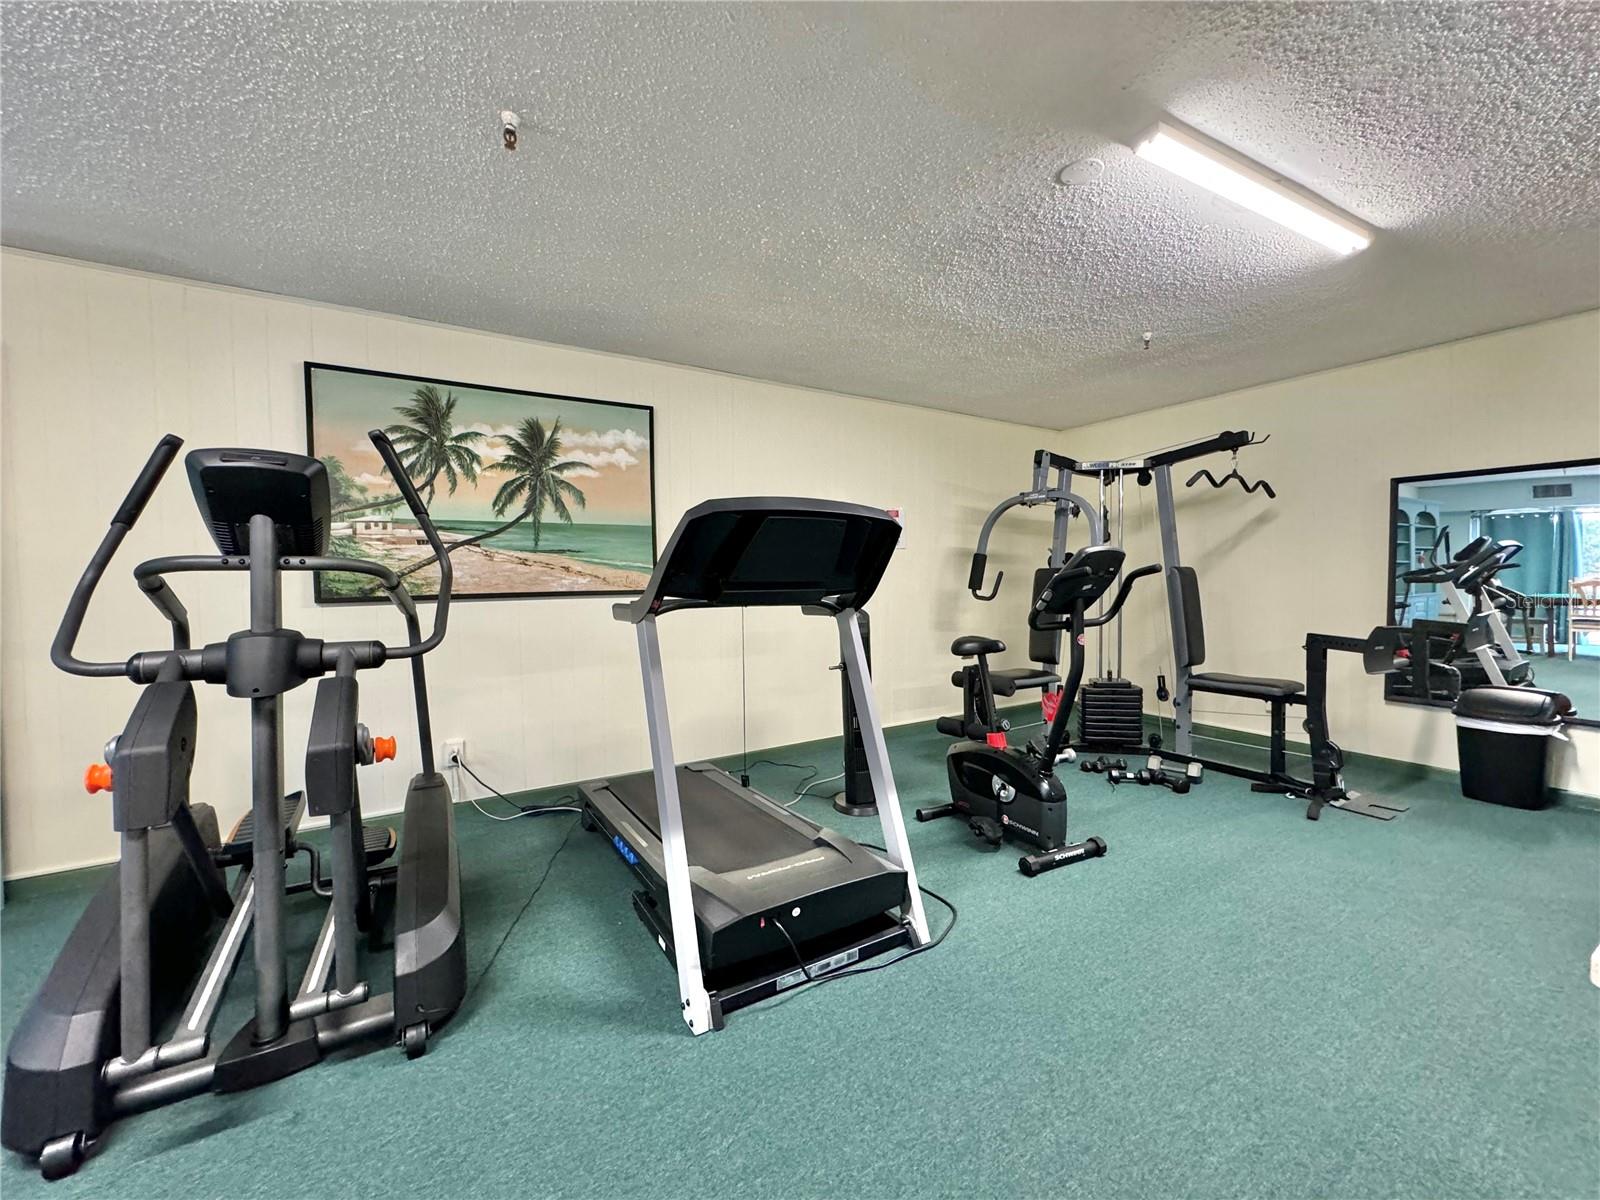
x=537 y=494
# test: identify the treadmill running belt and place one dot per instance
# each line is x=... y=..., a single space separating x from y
x=722 y=829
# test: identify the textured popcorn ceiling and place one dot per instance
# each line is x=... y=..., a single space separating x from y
x=858 y=198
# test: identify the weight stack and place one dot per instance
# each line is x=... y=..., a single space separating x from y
x=1111 y=715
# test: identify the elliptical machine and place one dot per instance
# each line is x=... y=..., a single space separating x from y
x=90 y=1047
x=1007 y=791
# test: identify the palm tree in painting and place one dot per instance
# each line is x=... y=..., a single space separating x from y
x=431 y=446
x=533 y=460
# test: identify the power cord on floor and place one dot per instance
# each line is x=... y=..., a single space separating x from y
x=526 y=904
x=523 y=810
x=800 y=793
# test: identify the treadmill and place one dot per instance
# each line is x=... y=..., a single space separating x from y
x=747 y=898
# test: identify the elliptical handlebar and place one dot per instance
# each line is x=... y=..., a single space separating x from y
x=149 y=479
x=127 y=514
x=408 y=490
x=141 y=666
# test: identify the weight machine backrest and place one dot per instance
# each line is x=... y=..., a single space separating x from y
x=1194 y=627
x=1044 y=645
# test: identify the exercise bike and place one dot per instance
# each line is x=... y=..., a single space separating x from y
x=1009 y=791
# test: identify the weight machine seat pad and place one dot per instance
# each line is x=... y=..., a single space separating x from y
x=1248 y=686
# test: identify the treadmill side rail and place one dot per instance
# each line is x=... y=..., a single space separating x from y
x=854 y=656
x=694 y=999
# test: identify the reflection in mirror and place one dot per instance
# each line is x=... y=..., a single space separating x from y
x=1496 y=575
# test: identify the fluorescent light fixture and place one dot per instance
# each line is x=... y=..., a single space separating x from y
x=1249 y=185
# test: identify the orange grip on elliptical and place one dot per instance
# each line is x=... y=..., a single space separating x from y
x=97 y=778
x=382 y=749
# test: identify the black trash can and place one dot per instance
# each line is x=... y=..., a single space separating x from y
x=1504 y=736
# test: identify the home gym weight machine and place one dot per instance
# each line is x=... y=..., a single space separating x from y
x=1380 y=650
x=1109 y=708
x=87 y=1050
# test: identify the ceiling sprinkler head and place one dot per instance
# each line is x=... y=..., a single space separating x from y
x=1147 y=336
x=509 y=123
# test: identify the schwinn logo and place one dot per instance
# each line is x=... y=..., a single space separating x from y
x=1005 y=820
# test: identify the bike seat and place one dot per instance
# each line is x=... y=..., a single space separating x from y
x=972 y=645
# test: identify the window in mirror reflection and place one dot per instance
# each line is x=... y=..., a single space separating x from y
x=1497 y=575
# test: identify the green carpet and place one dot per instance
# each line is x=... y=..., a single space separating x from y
x=1234 y=1002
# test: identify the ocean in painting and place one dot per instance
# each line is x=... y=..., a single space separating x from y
x=624 y=546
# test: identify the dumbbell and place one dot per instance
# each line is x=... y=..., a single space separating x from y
x=1103 y=764
x=1147 y=777
x=1167 y=779
x=1194 y=772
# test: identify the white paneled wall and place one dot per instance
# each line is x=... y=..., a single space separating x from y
x=97 y=363
x=1316 y=558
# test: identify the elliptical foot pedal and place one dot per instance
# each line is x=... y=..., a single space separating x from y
x=239 y=846
x=378 y=843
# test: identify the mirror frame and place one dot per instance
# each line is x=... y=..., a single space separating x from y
x=1590 y=720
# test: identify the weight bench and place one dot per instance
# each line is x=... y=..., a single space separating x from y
x=1279 y=693
x=1379 y=652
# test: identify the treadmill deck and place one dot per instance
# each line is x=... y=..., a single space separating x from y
x=768 y=884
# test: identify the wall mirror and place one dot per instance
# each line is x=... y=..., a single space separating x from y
x=1497 y=574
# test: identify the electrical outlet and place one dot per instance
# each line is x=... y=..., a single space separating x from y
x=455 y=751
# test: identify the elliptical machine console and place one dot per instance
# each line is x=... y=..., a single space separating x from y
x=1009 y=791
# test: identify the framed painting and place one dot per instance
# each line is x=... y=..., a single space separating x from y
x=536 y=494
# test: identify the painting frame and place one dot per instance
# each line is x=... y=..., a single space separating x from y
x=323 y=595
